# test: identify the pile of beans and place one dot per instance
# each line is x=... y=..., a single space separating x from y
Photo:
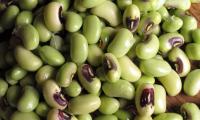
x=97 y=59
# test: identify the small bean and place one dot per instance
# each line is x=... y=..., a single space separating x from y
x=121 y=43
x=95 y=54
x=73 y=90
x=172 y=83
x=3 y=87
x=106 y=117
x=122 y=4
x=192 y=82
x=196 y=35
x=27 y=4
x=24 y=17
x=42 y=109
x=108 y=105
x=144 y=79
x=192 y=51
x=179 y=4
x=84 y=117
x=84 y=104
x=168 y=116
x=160 y=99
x=120 y=88
x=172 y=24
x=123 y=115
x=12 y=95
x=129 y=71
x=24 y=116
x=113 y=19
x=190 y=111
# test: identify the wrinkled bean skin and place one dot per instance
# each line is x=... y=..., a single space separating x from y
x=191 y=83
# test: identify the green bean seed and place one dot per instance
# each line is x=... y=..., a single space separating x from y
x=84 y=104
x=196 y=35
x=106 y=117
x=191 y=83
x=168 y=116
x=192 y=51
x=120 y=88
x=42 y=109
x=160 y=99
x=3 y=87
x=84 y=117
x=190 y=111
x=73 y=90
x=27 y=4
x=24 y=116
x=172 y=24
x=121 y=43
x=95 y=54
x=24 y=17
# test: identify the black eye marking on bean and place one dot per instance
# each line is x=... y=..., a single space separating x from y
x=149 y=26
x=176 y=41
x=60 y=99
x=185 y=115
x=147 y=97
x=132 y=23
x=108 y=64
x=179 y=65
x=60 y=15
x=63 y=116
x=88 y=72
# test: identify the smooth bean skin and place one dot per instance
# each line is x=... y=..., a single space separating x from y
x=107 y=35
x=121 y=43
x=27 y=4
x=106 y=117
x=58 y=43
x=123 y=115
x=129 y=71
x=148 y=21
x=122 y=4
x=84 y=117
x=155 y=67
x=16 y=73
x=148 y=48
x=43 y=32
x=42 y=109
x=131 y=17
x=23 y=57
x=170 y=40
x=24 y=116
x=79 y=7
x=52 y=16
x=73 y=22
x=53 y=96
x=189 y=22
x=9 y=80
x=192 y=51
x=160 y=99
x=196 y=35
x=112 y=14
x=9 y=17
x=168 y=116
x=187 y=35
x=179 y=4
x=144 y=79
x=108 y=105
x=143 y=118
x=44 y=73
x=91 y=3
x=27 y=80
x=172 y=83
x=88 y=80
x=145 y=107
x=145 y=6
x=29 y=99
x=172 y=24
x=163 y=12
x=65 y=74
x=73 y=90
x=95 y=54
x=84 y=104
x=180 y=60
x=111 y=67
x=78 y=48
x=65 y=4
x=190 y=111
x=24 y=17
x=51 y=56
x=29 y=36
x=12 y=95
x=3 y=87
x=92 y=25
x=192 y=82
x=120 y=88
